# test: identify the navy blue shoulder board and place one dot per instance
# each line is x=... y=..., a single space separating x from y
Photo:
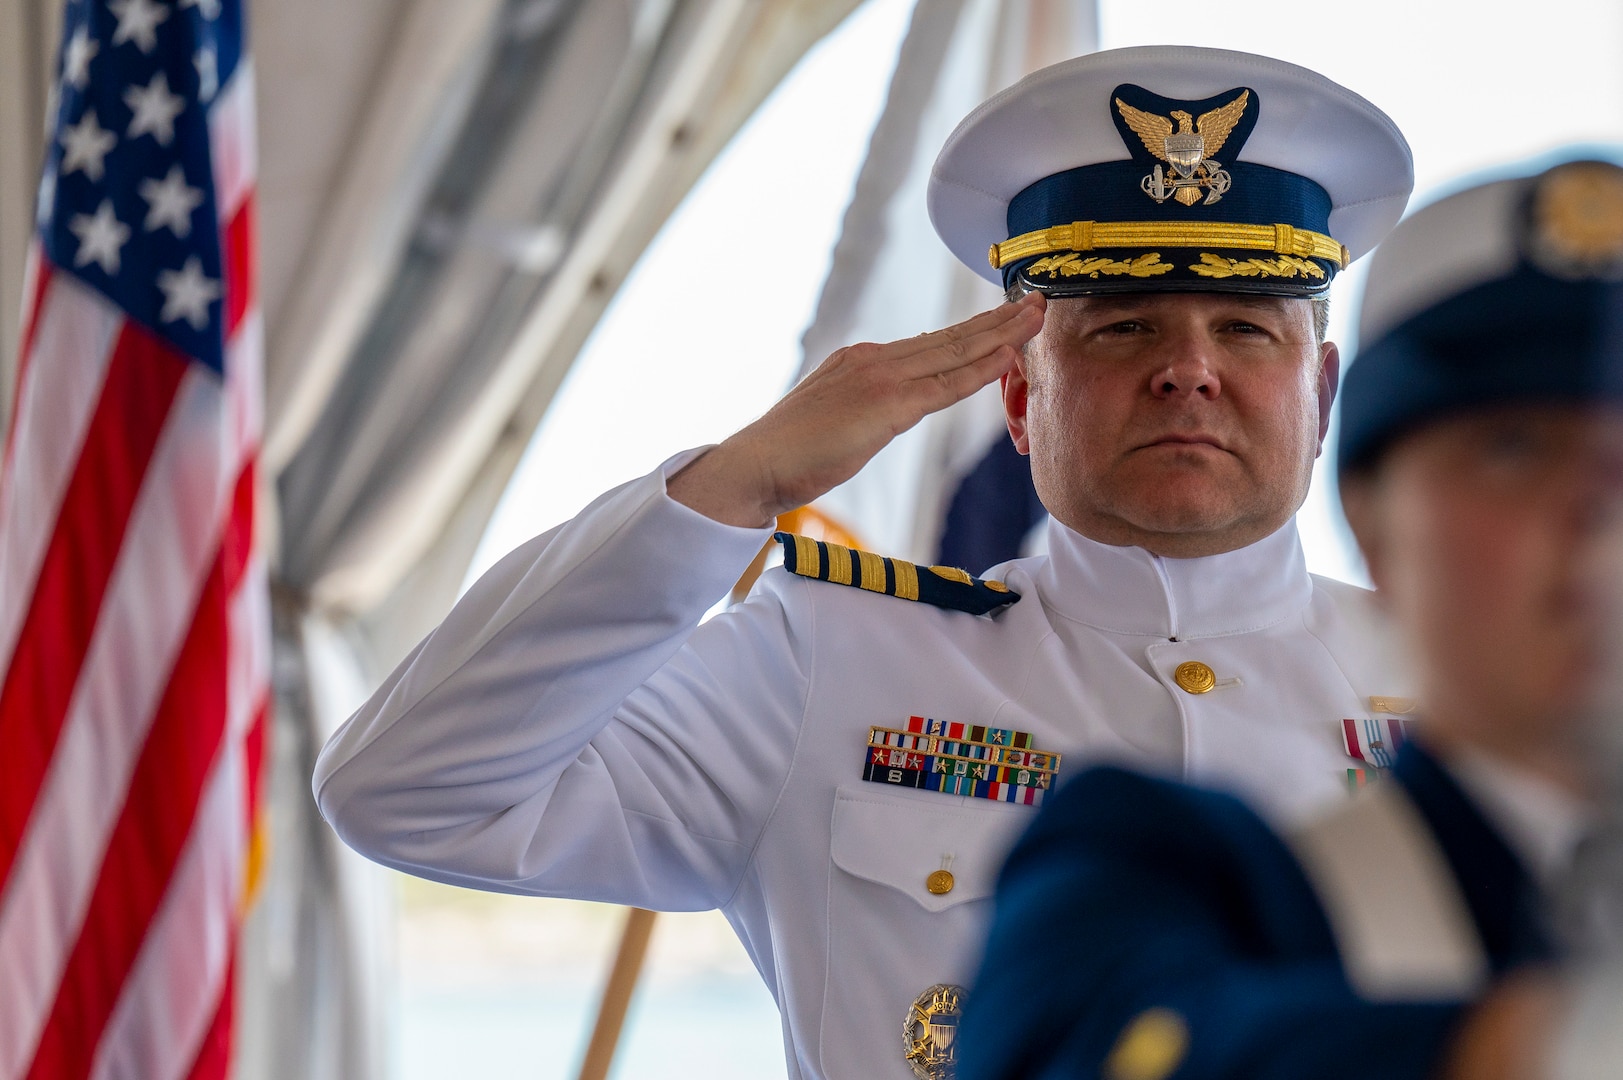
x=941 y=586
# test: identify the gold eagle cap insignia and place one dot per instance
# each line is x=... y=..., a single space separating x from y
x=1190 y=146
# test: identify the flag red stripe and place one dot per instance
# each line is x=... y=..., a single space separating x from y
x=142 y=378
x=253 y=750
x=214 y=1055
x=239 y=243
x=175 y=763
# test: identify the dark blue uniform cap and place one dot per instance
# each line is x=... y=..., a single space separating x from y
x=1506 y=293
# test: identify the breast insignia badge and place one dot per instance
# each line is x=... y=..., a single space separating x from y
x=930 y=1033
x=1191 y=151
x=960 y=759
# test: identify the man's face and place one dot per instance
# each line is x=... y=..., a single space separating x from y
x=1184 y=423
x=1495 y=538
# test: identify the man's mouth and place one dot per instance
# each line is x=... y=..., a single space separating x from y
x=1186 y=440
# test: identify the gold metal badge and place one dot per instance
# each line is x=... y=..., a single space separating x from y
x=1194 y=677
x=930 y=1033
x=1191 y=150
x=1396 y=706
x=1576 y=230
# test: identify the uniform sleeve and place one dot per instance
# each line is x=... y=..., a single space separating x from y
x=566 y=730
x=1149 y=931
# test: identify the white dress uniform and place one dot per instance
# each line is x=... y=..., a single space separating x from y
x=571 y=730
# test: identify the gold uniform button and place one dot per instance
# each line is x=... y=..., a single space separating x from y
x=1194 y=677
x=939 y=883
x=1151 y=1048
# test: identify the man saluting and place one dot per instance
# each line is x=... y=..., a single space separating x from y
x=841 y=762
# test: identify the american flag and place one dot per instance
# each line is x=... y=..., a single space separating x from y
x=133 y=611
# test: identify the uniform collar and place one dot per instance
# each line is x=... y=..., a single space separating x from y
x=1127 y=590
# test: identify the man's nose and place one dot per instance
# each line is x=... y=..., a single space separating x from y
x=1187 y=367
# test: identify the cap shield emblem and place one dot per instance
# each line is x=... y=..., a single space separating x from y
x=1575 y=231
x=1184 y=141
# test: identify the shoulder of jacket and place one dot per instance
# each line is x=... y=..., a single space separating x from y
x=939 y=586
x=1344 y=592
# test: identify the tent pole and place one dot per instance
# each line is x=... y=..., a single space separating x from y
x=611 y=1010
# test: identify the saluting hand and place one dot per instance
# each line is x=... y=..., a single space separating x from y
x=842 y=414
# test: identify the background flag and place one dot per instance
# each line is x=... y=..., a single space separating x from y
x=133 y=611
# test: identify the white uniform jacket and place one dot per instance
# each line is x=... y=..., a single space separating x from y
x=570 y=730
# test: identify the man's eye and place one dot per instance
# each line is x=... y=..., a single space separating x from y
x=1126 y=326
x=1245 y=328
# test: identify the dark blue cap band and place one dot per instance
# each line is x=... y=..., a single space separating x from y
x=1524 y=339
x=1111 y=191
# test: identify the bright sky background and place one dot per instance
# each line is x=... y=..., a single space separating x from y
x=687 y=352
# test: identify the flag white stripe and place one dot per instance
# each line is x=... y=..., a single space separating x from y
x=245 y=382
x=59 y=394
x=169 y=545
x=231 y=138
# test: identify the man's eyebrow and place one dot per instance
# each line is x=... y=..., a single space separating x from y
x=1275 y=303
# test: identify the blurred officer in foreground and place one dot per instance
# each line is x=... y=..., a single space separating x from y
x=842 y=762
x=1401 y=934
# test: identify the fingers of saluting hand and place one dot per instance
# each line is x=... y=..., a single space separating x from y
x=846 y=410
x=951 y=364
x=957 y=346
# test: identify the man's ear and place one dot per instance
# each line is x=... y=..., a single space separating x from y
x=1329 y=382
x=1015 y=388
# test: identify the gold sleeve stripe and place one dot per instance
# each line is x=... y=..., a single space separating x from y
x=943 y=587
x=808 y=556
x=872 y=569
x=1088 y=235
x=839 y=564
x=907 y=579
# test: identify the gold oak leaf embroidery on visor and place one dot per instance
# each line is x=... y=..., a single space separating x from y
x=1073 y=265
x=1286 y=266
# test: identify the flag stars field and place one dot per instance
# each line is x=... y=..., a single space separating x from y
x=187 y=294
x=138 y=22
x=100 y=238
x=86 y=146
x=170 y=202
x=154 y=109
x=138 y=193
x=76 y=59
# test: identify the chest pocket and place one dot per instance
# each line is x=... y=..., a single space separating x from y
x=900 y=843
